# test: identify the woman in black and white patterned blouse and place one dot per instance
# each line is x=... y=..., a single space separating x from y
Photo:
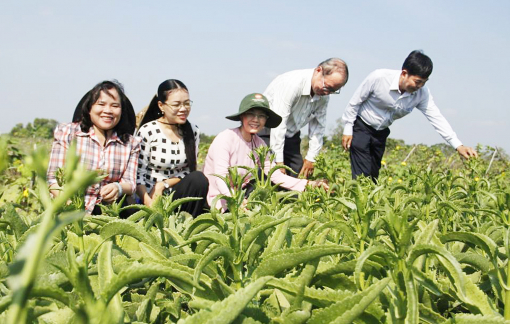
x=169 y=148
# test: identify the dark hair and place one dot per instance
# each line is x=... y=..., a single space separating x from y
x=418 y=64
x=153 y=112
x=127 y=123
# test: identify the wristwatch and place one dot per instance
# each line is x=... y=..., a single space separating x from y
x=166 y=185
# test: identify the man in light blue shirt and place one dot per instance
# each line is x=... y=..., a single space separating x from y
x=383 y=97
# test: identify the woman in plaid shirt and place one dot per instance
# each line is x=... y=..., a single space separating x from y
x=102 y=126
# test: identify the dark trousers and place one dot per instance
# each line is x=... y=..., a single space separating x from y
x=194 y=184
x=291 y=151
x=367 y=149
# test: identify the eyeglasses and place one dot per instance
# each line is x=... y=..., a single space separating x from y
x=176 y=106
x=251 y=115
x=329 y=90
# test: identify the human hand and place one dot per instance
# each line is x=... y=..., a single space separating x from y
x=157 y=190
x=109 y=193
x=346 y=142
x=307 y=169
x=466 y=152
x=147 y=201
x=319 y=183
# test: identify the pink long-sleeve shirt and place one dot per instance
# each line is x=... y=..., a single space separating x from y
x=229 y=149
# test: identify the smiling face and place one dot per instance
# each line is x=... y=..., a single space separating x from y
x=106 y=111
x=176 y=108
x=410 y=83
x=253 y=121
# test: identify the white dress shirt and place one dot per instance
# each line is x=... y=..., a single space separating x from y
x=378 y=101
x=289 y=96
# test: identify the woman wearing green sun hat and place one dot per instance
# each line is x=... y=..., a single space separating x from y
x=232 y=147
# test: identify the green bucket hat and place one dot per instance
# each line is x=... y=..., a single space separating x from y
x=259 y=101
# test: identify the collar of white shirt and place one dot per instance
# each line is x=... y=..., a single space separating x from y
x=395 y=86
x=394 y=83
x=307 y=86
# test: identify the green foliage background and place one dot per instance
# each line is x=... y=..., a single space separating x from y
x=428 y=243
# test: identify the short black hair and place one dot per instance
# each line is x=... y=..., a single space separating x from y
x=127 y=122
x=418 y=64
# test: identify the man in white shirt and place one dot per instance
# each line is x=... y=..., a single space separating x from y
x=384 y=96
x=301 y=97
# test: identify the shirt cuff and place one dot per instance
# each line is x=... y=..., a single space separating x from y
x=310 y=158
x=455 y=143
x=279 y=157
x=348 y=130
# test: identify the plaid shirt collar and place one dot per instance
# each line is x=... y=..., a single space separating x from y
x=92 y=134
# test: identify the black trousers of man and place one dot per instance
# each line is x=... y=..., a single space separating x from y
x=291 y=151
x=367 y=149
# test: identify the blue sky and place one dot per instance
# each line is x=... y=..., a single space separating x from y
x=53 y=52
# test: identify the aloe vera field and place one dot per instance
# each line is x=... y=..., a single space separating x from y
x=428 y=243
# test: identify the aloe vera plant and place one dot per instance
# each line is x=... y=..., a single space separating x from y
x=427 y=244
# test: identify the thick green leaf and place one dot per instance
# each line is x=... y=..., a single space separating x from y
x=469 y=293
x=278 y=261
x=429 y=316
x=60 y=316
x=227 y=310
x=177 y=239
x=218 y=238
x=252 y=234
x=426 y=282
x=277 y=240
x=371 y=251
x=16 y=223
x=125 y=227
x=480 y=240
x=212 y=254
x=347 y=310
x=412 y=312
x=347 y=267
x=422 y=249
x=150 y=252
x=302 y=236
x=143 y=313
x=318 y=297
x=114 y=311
x=428 y=231
x=138 y=271
x=340 y=226
x=476 y=319
x=200 y=223
x=346 y=202
x=475 y=260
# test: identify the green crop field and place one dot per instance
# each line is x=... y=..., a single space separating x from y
x=430 y=243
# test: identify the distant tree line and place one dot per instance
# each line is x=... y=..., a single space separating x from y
x=40 y=128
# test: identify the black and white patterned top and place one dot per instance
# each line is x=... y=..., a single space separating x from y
x=160 y=158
